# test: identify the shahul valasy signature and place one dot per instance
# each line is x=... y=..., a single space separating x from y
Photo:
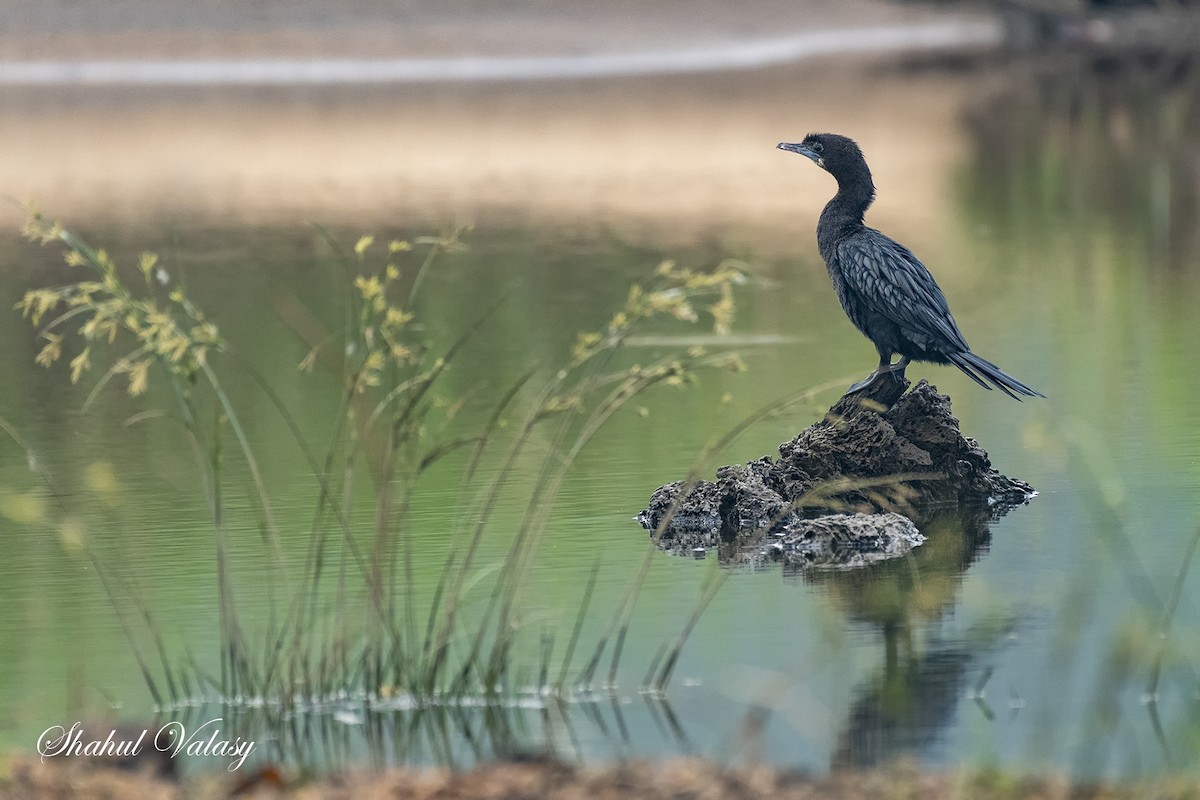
x=173 y=738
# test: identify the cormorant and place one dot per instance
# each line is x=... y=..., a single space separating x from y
x=888 y=294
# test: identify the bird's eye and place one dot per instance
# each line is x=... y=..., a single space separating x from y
x=817 y=147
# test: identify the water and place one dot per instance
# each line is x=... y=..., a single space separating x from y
x=1056 y=208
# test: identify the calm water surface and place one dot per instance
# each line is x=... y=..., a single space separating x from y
x=1069 y=257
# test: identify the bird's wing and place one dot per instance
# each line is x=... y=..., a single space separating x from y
x=890 y=280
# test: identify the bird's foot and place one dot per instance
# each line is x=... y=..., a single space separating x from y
x=866 y=383
x=884 y=386
x=897 y=370
x=888 y=373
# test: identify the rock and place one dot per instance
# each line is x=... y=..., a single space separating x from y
x=859 y=459
x=844 y=541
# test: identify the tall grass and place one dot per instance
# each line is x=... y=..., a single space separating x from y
x=348 y=622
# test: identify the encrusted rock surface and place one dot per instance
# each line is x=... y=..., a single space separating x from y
x=845 y=541
x=858 y=459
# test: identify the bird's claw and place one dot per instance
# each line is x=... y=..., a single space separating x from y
x=891 y=372
x=865 y=383
x=884 y=386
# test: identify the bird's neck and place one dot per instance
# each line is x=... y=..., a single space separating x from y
x=843 y=215
x=856 y=192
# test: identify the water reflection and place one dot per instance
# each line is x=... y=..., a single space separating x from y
x=914 y=693
x=347 y=732
x=903 y=706
x=922 y=585
x=1089 y=145
x=1065 y=220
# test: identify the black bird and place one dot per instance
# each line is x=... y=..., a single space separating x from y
x=888 y=294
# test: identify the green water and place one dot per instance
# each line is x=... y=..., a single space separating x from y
x=1070 y=261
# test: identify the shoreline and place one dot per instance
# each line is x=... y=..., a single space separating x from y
x=748 y=54
x=659 y=122
x=148 y=30
x=671 y=158
x=547 y=779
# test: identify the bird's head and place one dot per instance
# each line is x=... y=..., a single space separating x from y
x=831 y=152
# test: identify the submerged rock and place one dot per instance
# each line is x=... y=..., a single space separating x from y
x=858 y=461
x=844 y=541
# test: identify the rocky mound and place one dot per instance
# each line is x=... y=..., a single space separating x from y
x=858 y=459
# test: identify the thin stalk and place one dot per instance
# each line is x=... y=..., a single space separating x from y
x=577 y=630
x=455 y=594
x=252 y=463
x=468 y=476
x=1169 y=613
x=143 y=667
x=710 y=590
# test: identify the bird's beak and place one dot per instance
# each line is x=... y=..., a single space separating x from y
x=804 y=151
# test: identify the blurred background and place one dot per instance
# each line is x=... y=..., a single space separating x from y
x=1041 y=157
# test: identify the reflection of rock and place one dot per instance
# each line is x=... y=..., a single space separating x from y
x=856 y=459
x=909 y=703
x=955 y=537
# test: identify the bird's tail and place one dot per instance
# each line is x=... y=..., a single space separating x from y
x=981 y=370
